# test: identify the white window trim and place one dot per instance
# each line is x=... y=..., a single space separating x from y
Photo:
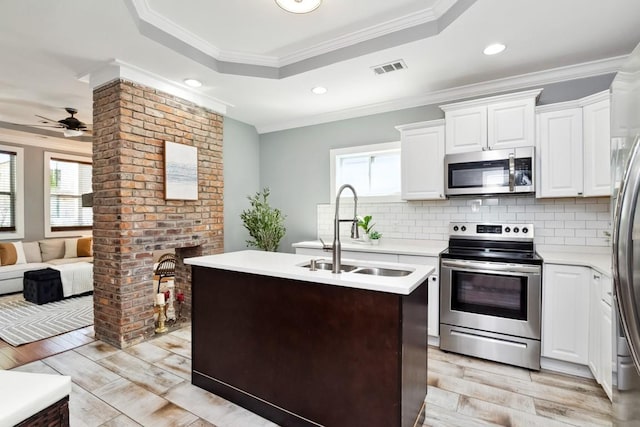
x=47 y=196
x=19 y=233
x=333 y=153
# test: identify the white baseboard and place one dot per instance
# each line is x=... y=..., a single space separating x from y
x=565 y=368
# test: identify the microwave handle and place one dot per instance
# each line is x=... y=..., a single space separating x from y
x=512 y=171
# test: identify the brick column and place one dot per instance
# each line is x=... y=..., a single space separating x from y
x=131 y=217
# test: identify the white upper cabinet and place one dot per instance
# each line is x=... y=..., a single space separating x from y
x=559 y=153
x=422 y=160
x=466 y=129
x=573 y=148
x=503 y=121
x=597 y=142
x=511 y=124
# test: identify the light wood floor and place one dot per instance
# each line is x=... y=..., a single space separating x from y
x=462 y=391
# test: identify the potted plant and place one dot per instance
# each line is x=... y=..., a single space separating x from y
x=375 y=237
x=366 y=225
x=264 y=223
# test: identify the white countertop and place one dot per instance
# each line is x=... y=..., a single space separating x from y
x=390 y=246
x=596 y=258
x=289 y=266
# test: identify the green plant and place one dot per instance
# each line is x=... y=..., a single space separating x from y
x=374 y=235
x=264 y=223
x=364 y=223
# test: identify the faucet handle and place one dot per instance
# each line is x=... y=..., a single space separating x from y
x=325 y=247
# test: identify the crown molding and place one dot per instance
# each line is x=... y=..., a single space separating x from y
x=530 y=94
x=117 y=69
x=538 y=78
x=420 y=125
x=159 y=27
x=398 y=24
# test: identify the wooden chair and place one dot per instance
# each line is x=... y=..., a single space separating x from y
x=166 y=268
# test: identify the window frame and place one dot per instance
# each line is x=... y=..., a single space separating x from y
x=19 y=199
x=362 y=150
x=48 y=232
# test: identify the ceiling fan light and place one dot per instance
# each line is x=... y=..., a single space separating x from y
x=299 y=6
x=72 y=132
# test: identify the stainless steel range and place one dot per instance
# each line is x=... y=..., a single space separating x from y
x=491 y=293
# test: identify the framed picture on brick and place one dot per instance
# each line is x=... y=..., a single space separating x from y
x=180 y=171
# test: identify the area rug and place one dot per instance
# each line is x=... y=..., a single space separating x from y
x=23 y=322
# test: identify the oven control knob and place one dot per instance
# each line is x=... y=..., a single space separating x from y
x=463 y=228
x=455 y=228
x=507 y=229
x=525 y=230
x=516 y=229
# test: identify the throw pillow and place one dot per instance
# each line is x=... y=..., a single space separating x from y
x=51 y=249
x=32 y=251
x=85 y=246
x=8 y=254
x=22 y=259
x=71 y=248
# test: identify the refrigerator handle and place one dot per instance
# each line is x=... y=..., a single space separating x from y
x=624 y=286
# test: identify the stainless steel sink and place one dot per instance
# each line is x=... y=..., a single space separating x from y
x=388 y=272
x=325 y=265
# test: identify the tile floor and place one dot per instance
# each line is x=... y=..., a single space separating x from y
x=149 y=385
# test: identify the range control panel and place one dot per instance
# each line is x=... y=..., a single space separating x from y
x=493 y=231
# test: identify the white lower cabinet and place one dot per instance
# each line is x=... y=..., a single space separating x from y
x=565 y=313
x=606 y=348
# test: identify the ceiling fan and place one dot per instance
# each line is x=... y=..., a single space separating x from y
x=72 y=126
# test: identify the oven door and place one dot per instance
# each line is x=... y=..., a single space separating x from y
x=490 y=296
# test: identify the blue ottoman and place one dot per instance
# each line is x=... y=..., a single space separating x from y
x=42 y=286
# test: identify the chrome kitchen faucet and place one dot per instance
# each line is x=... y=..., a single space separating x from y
x=337 y=247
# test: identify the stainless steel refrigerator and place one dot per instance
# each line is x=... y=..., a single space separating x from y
x=625 y=162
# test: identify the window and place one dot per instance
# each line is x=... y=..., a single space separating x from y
x=67 y=178
x=11 y=193
x=373 y=170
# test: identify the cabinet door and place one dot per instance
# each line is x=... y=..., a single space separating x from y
x=466 y=129
x=597 y=135
x=565 y=313
x=595 y=319
x=433 y=315
x=560 y=153
x=606 y=355
x=423 y=163
x=511 y=124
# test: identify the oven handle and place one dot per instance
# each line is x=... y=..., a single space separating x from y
x=491 y=267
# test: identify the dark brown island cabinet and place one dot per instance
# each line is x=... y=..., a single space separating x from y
x=301 y=353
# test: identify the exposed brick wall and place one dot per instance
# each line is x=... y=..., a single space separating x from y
x=131 y=216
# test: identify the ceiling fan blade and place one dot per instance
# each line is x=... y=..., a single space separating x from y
x=45 y=126
x=49 y=120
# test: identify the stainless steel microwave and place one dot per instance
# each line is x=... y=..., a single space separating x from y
x=507 y=171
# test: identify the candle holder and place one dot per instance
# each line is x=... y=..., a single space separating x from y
x=161 y=318
x=171 y=311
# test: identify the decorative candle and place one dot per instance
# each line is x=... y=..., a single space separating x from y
x=160 y=299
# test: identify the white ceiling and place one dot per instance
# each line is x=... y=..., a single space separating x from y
x=261 y=62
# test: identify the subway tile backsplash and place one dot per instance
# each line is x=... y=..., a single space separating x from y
x=566 y=221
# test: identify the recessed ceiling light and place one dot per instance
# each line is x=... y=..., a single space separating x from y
x=493 y=49
x=319 y=90
x=299 y=6
x=193 y=82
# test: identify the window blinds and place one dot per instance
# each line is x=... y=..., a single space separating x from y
x=8 y=191
x=68 y=180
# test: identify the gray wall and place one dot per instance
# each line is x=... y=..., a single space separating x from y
x=294 y=163
x=241 y=156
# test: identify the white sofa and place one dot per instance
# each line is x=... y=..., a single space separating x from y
x=40 y=254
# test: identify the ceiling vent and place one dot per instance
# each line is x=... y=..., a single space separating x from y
x=391 y=66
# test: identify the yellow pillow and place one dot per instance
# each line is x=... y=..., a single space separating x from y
x=8 y=254
x=85 y=246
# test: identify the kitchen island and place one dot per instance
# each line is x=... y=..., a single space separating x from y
x=309 y=348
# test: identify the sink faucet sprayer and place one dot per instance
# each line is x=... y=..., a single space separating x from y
x=337 y=247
